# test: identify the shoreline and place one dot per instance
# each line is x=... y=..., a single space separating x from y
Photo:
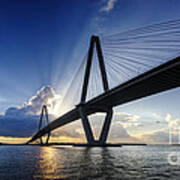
x=88 y=145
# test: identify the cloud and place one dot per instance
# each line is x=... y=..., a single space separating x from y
x=127 y=120
x=72 y=130
x=128 y=125
x=75 y=130
x=23 y=121
x=109 y=6
x=125 y=117
x=172 y=123
x=117 y=133
x=18 y=127
x=45 y=96
x=160 y=136
x=100 y=21
x=171 y=126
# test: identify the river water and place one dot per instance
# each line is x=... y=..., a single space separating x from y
x=127 y=162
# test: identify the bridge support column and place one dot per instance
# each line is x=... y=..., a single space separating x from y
x=88 y=130
x=95 y=42
x=44 y=111
x=86 y=126
x=106 y=127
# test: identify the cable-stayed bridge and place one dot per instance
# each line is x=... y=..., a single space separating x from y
x=128 y=66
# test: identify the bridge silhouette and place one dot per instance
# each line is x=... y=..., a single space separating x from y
x=160 y=78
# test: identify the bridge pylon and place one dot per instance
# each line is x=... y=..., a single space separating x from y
x=44 y=112
x=95 y=42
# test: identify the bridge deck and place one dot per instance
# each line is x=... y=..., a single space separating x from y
x=159 y=79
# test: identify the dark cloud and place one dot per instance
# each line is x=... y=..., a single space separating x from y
x=18 y=127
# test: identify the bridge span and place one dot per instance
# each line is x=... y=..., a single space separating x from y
x=159 y=79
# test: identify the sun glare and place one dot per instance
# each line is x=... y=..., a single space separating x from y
x=56 y=108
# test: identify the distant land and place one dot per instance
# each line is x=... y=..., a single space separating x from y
x=88 y=145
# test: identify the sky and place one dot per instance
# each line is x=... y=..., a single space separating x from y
x=42 y=44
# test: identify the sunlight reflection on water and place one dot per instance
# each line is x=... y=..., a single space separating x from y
x=87 y=163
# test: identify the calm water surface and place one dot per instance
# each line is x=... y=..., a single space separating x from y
x=130 y=162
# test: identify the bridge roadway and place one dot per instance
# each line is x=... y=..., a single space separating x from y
x=159 y=79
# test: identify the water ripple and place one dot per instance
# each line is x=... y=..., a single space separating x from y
x=146 y=162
